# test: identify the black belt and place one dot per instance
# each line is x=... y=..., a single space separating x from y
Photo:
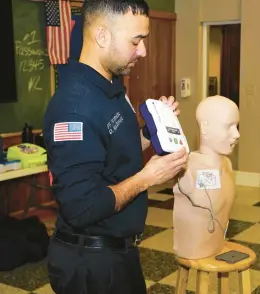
x=98 y=241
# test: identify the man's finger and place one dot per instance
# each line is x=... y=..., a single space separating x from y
x=176 y=155
x=170 y=101
x=164 y=99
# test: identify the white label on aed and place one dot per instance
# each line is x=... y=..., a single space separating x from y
x=208 y=179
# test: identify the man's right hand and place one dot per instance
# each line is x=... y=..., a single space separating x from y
x=160 y=169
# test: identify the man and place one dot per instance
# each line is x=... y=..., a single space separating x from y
x=95 y=156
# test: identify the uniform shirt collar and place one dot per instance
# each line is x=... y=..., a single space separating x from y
x=110 y=89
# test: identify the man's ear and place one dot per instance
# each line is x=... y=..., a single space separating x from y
x=102 y=37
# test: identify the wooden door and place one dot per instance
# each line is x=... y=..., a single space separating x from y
x=230 y=62
x=154 y=75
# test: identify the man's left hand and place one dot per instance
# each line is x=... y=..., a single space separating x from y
x=170 y=101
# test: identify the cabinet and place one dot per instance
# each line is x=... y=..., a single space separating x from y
x=154 y=75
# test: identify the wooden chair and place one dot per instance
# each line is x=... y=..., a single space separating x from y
x=210 y=264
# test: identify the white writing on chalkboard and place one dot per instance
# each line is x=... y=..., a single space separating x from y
x=33 y=83
x=31 y=59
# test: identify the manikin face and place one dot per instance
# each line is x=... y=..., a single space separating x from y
x=126 y=45
x=222 y=133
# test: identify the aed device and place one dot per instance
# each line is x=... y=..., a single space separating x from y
x=30 y=155
x=164 y=127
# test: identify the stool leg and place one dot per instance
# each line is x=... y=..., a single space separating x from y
x=182 y=279
x=244 y=282
x=223 y=283
x=202 y=282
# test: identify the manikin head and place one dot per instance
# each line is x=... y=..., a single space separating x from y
x=218 y=118
x=113 y=35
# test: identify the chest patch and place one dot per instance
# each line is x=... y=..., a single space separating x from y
x=114 y=123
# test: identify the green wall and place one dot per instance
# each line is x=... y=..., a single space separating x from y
x=32 y=69
x=164 y=5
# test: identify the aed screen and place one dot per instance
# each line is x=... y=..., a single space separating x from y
x=173 y=131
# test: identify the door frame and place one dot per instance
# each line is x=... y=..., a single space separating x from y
x=205 y=47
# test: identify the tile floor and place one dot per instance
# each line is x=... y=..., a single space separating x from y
x=158 y=262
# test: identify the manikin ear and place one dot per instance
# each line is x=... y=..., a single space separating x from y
x=102 y=37
x=204 y=127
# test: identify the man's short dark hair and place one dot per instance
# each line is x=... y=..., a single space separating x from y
x=94 y=7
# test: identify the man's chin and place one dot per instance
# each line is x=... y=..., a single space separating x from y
x=123 y=71
x=126 y=72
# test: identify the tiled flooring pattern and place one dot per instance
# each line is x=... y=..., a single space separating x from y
x=158 y=262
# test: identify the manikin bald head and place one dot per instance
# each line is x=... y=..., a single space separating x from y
x=218 y=118
x=113 y=35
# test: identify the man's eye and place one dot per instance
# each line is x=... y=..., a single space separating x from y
x=136 y=42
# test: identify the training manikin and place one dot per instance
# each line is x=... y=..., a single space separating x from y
x=204 y=193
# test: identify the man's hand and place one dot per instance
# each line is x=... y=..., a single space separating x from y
x=160 y=169
x=170 y=101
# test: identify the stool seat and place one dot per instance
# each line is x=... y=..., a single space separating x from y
x=210 y=264
x=206 y=265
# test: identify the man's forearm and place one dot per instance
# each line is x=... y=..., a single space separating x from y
x=128 y=189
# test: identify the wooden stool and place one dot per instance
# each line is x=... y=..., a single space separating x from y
x=210 y=264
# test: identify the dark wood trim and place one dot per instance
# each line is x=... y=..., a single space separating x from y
x=153 y=13
x=52 y=78
x=162 y=14
x=17 y=134
x=173 y=61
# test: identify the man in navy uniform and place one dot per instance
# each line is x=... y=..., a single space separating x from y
x=95 y=149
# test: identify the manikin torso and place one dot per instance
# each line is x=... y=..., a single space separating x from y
x=196 y=234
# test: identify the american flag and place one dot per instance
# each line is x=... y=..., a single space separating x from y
x=58 y=30
x=68 y=131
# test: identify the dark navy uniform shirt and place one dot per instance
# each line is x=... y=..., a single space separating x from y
x=93 y=141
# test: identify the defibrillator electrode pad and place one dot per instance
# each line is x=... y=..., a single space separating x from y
x=164 y=127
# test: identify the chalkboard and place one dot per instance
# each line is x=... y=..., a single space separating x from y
x=32 y=68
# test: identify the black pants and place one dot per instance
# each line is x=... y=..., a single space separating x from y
x=94 y=271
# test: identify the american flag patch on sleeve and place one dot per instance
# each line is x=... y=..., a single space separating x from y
x=68 y=131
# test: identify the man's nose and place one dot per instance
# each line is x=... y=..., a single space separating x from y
x=141 y=51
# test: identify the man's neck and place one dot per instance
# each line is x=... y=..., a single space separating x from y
x=90 y=59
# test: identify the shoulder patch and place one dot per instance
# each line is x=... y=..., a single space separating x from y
x=68 y=131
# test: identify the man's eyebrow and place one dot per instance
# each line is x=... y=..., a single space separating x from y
x=141 y=36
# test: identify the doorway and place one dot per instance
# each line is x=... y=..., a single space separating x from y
x=221 y=64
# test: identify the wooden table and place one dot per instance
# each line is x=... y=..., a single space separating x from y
x=20 y=174
x=23 y=172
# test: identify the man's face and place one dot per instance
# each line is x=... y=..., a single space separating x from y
x=127 y=43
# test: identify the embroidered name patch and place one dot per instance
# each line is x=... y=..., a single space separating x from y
x=114 y=123
x=68 y=131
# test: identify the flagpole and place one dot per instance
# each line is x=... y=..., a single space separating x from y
x=52 y=79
